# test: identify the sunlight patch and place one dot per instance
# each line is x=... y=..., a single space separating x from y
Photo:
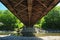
x=58 y=4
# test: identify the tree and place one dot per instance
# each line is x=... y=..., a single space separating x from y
x=8 y=19
x=52 y=19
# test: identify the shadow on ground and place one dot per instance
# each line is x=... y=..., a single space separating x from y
x=19 y=38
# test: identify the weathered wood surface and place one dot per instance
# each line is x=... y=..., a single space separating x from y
x=29 y=11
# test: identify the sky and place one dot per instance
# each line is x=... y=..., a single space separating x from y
x=2 y=7
x=58 y=4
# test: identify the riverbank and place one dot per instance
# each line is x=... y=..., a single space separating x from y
x=30 y=38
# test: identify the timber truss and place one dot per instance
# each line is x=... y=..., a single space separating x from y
x=29 y=11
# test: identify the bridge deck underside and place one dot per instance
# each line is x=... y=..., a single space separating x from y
x=29 y=11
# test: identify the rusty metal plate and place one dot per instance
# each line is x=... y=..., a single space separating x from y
x=29 y=11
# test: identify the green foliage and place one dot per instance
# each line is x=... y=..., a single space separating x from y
x=9 y=20
x=52 y=19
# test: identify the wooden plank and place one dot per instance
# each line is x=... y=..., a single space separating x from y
x=30 y=14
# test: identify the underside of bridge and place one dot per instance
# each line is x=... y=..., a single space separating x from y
x=29 y=11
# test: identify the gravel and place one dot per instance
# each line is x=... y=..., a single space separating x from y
x=29 y=38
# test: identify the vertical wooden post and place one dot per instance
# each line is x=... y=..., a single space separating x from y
x=29 y=9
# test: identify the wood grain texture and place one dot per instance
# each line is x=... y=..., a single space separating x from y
x=29 y=11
